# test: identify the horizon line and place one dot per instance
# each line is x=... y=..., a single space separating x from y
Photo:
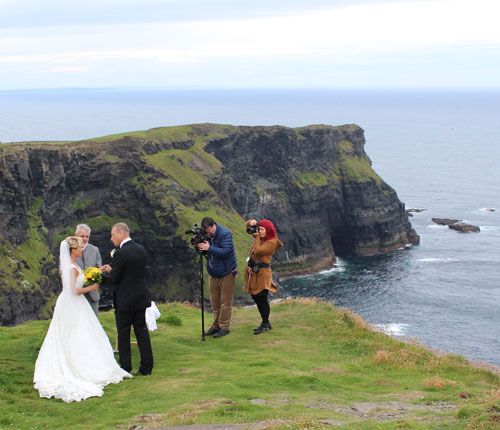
x=224 y=89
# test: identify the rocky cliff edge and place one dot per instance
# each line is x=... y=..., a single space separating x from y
x=315 y=183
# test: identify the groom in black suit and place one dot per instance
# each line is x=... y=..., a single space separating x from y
x=131 y=297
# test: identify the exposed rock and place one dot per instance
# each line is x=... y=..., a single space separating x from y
x=445 y=221
x=457 y=224
x=464 y=228
x=409 y=212
x=315 y=183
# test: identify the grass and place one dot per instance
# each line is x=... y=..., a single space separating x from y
x=353 y=168
x=193 y=198
x=313 y=179
x=317 y=365
x=172 y=134
x=179 y=165
x=20 y=267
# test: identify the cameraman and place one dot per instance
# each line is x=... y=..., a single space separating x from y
x=221 y=266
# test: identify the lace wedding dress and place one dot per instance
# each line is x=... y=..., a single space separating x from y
x=76 y=359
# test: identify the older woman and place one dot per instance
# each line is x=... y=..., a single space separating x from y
x=258 y=276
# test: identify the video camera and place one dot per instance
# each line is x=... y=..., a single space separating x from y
x=198 y=236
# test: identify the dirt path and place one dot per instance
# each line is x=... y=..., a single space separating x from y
x=356 y=412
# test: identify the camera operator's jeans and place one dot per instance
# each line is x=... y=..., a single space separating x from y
x=221 y=299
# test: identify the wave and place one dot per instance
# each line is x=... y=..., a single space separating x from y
x=339 y=267
x=392 y=329
x=437 y=260
x=489 y=228
x=437 y=226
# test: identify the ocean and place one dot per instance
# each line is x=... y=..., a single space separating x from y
x=438 y=149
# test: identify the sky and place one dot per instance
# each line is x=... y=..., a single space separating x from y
x=193 y=44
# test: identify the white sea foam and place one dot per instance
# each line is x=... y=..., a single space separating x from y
x=487 y=210
x=488 y=228
x=339 y=267
x=393 y=329
x=437 y=260
x=437 y=226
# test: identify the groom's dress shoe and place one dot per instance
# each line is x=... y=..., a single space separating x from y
x=211 y=331
x=221 y=333
x=139 y=373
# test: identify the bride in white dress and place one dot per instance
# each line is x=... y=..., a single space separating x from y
x=76 y=359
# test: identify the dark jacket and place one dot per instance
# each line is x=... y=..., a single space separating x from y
x=221 y=258
x=128 y=274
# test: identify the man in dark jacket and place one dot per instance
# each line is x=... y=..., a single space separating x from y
x=131 y=297
x=221 y=266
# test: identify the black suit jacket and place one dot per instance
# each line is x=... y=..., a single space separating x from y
x=128 y=274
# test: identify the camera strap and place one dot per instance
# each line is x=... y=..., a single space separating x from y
x=253 y=262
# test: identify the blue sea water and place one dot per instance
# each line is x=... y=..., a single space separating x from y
x=438 y=149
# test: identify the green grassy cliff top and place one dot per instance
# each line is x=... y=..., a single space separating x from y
x=319 y=367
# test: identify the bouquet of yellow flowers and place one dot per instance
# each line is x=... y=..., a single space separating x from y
x=92 y=276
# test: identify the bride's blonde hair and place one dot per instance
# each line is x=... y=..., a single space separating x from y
x=74 y=242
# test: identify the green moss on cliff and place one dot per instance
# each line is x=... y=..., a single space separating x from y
x=181 y=167
x=21 y=266
x=352 y=167
x=47 y=310
x=37 y=142
x=80 y=204
x=182 y=188
x=34 y=252
x=100 y=222
x=173 y=134
x=187 y=215
x=349 y=167
x=9 y=269
x=110 y=157
x=312 y=179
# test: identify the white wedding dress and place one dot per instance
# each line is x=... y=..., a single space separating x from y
x=76 y=359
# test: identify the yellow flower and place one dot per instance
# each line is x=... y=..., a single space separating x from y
x=92 y=275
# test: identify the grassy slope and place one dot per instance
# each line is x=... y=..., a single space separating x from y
x=20 y=267
x=315 y=365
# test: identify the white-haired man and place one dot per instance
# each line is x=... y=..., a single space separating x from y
x=91 y=257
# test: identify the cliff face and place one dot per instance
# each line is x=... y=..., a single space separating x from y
x=315 y=183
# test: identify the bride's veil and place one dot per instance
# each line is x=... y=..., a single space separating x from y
x=66 y=269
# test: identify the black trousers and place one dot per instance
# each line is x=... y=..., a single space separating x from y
x=124 y=321
x=262 y=304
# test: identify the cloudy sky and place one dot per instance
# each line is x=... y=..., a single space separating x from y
x=249 y=44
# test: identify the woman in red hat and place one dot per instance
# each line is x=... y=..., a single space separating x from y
x=258 y=275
